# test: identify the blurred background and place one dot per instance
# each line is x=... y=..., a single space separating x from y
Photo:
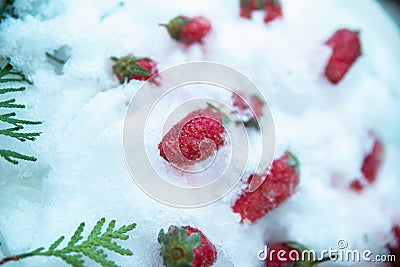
x=393 y=8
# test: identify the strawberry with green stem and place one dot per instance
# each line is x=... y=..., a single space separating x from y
x=248 y=6
x=188 y=30
x=186 y=246
x=272 y=8
x=279 y=184
x=130 y=67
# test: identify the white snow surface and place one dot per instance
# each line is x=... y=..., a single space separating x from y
x=81 y=174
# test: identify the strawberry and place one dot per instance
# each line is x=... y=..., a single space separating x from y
x=373 y=161
x=370 y=166
x=188 y=30
x=248 y=113
x=186 y=246
x=248 y=6
x=357 y=185
x=290 y=254
x=346 y=49
x=273 y=10
x=394 y=247
x=279 y=184
x=182 y=145
x=130 y=67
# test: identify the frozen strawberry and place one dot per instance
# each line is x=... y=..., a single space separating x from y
x=346 y=49
x=373 y=161
x=357 y=185
x=273 y=10
x=249 y=112
x=186 y=246
x=137 y=68
x=370 y=166
x=394 y=247
x=279 y=184
x=183 y=144
x=188 y=30
x=289 y=254
x=248 y=6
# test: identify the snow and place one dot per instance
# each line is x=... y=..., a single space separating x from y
x=81 y=173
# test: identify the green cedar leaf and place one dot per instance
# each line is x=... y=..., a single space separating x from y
x=11 y=156
x=97 y=229
x=56 y=243
x=7 y=75
x=11 y=90
x=77 y=236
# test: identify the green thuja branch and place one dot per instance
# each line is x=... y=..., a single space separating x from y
x=9 y=75
x=92 y=247
x=12 y=156
x=6 y=8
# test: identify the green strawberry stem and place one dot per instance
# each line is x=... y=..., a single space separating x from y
x=140 y=71
x=225 y=118
x=176 y=25
x=302 y=248
x=127 y=66
x=275 y=2
x=245 y=4
x=252 y=123
x=293 y=161
x=215 y=108
x=177 y=246
x=259 y=4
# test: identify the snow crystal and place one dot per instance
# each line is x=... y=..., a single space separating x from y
x=81 y=173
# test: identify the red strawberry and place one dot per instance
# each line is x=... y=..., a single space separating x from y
x=370 y=166
x=357 y=185
x=130 y=67
x=279 y=185
x=188 y=30
x=373 y=161
x=186 y=246
x=273 y=10
x=249 y=113
x=394 y=247
x=290 y=254
x=248 y=6
x=183 y=145
x=346 y=49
